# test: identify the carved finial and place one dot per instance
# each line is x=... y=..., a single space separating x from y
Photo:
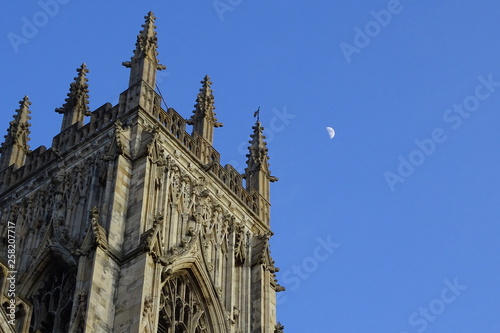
x=257 y=174
x=143 y=67
x=146 y=44
x=76 y=106
x=18 y=131
x=257 y=157
x=203 y=118
x=204 y=107
x=15 y=147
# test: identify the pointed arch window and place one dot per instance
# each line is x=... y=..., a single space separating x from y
x=53 y=300
x=182 y=309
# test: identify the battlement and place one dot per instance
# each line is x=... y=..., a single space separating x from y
x=17 y=162
x=175 y=124
x=103 y=116
x=74 y=134
x=35 y=160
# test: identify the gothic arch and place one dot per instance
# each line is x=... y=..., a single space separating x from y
x=52 y=253
x=188 y=296
x=50 y=289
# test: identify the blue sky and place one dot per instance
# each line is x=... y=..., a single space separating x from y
x=393 y=225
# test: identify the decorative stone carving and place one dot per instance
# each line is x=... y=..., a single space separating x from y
x=236 y=313
x=147 y=322
x=76 y=104
x=152 y=240
x=182 y=308
x=187 y=246
x=118 y=145
x=145 y=46
x=154 y=149
x=78 y=325
x=57 y=191
x=264 y=254
x=15 y=147
x=135 y=161
x=187 y=195
x=100 y=235
x=240 y=245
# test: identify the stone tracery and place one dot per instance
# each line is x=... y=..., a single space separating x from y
x=182 y=309
x=53 y=301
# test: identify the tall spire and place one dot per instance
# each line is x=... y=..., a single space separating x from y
x=144 y=63
x=76 y=106
x=257 y=174
x=203 y=118
x=15 y=147
x=257 y=158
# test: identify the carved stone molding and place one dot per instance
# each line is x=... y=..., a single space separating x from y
x=100 y=235
x=78 y=325
x=118 y=145
x=188 y=245
x=151 y=240
x=96 y=235
x=154 y=148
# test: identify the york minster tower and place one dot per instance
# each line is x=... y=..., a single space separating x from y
x=128 y=223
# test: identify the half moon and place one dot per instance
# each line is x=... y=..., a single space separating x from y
x=331 y=132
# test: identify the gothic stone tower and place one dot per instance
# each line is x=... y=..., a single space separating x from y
x=129 y=224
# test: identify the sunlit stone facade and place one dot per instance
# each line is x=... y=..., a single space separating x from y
x=128 y=223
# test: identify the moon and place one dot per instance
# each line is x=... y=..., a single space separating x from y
x=331 y=132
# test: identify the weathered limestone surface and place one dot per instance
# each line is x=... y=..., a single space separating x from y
x=127 y=223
